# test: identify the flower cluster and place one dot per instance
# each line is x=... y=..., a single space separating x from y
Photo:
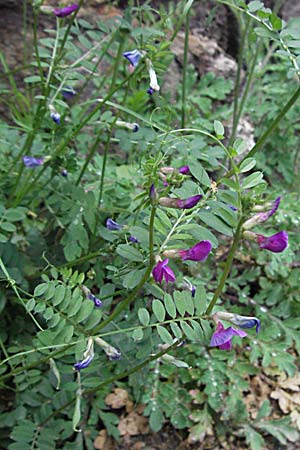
x=134 y=57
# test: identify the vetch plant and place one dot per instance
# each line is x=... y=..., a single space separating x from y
x=95 y=238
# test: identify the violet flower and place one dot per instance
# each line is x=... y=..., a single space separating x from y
x=133 y=57
x=112 y=352
x=222 y=337
x=68 y=92
x=180 y=203
x=184 y=170
x=133 y=239
x=152 y=193
x=88 y=356
x=236 y=319
x=64 y=173
x=276 y=243
x=162 y=270
x=199 y=252
x=30 y=161
x=66 y=11
x=262 y=216
x=113 y=226
x=90 y=296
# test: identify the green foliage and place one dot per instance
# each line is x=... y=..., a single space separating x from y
x=78 y=291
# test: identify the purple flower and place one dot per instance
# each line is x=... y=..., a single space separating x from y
x=68 y=92
x=150 y=91
x=180 y=203
x=162 y=270
x=88 y=356
x=84 y=363
x=152 y=192
x=133 y=57
x=133 y=239
x=97 y=302
x=113 y=226
x=199 y=252
x=64 y=173
x=276 y=243
x=240 y=321
x=30 y=161
x=90 y=296
x=184 y=170
x=222 y=337
x=55 y=116
x=66 y=11
x=134 y=127
x=262 y=216
x=112 y=352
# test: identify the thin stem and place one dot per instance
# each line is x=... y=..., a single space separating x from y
x=151 y=236
x=117 y=62
x=238 y=81
x=247 y=87
x=270 y=130
x=184 y=69
x=227 y=268
x=12 y=283
x=89 y=158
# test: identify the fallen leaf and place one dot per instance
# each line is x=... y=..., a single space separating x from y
x=117 y=399
x=133 y=424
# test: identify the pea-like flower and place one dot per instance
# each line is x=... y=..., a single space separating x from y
x=113 y=226
x=133 y=57
x=276 y=243
x=222 y=337
x=163 y=271
x=55 y=116
x=198 y=252
x=90 y=296
x=262 y=216
x=189 y=286
x=134 y=127
x=66 y=11
x=112 y=352
x=68 y=92
x=88 y=356
x=240 y=321
x=180 y=203
x=30 y=161
x=153 y=85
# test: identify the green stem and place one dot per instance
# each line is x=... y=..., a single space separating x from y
x=270 y=130
x=126 y=302
x=227 y=268
x=89 y=158
x=238 y=81
x=247 y=88
x=184 y=69
x=117 y=62
x=151 y=236
x=12 y=283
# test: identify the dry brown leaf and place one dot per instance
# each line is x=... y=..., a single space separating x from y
x=103 y=441
x=287 y=402
x=117 y=399
x=291 y=383
x=133 y=424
